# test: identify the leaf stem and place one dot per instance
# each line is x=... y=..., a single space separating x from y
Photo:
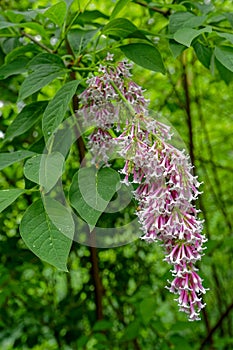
x=29 y=191
x=222 y=29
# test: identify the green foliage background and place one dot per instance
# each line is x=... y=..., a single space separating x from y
x=44 y=308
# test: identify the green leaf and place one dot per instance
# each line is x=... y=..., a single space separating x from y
x=174 y=7
x=144 y=55
x=46 y=67
x=179 y=342
x=178 y=326
x=57 y=13
x=206 y=7
x=44 y=236
x=131 y=331
x=32 y=168
x=64 y=138
x=120 y=27
x=203 y=53
x=18 y=66
x=21 y=50
x=176 y=48
x=185 y=36
x=118 y=7
x=46 y=59
x=147 y=309
x=229 y=17
x=30 y=15
x=45 y=169
x=79 y=38
x=4 y=24
x=60 y=216
x=102 y=325
x=82 y=341
x=9 y=196
x=91 y=191
x=9 y=44
x=36 y=27
x=32 y=25
x=184 y=19
x=7 y=159
x=226 y=36
x=14 y=16
x=44 y=75
x=224 y=73
x=91 y=16
x=57 y=108
x=29 y=115
x=38 y=146
x=224 y=55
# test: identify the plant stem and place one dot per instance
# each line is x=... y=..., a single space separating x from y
x=88 y=69
x=95 y=273
x=97 y=283
x=131 y=109
x=38 y=43
x=153 y=8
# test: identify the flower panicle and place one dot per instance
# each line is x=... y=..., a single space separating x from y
x=166 y=187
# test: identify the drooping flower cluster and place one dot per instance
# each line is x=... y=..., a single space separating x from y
x=166 y=189
x=103 y=105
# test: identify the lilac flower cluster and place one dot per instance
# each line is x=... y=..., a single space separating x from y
x=102 y=106
x=166 y=189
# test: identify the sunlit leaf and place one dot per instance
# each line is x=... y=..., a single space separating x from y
x=57 y=13
x=79 y=38
x=185 y=36
x=118 y=7
x=57 y=108
x=144 y=55
x=184 y=19
x=120 y=27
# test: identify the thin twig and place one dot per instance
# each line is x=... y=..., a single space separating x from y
x=97 y=283
x=216 y=165
x=37 y=42
x=217 y=181
x=153 y=8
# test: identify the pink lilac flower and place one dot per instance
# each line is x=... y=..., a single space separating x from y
x=100 y=101
x=166 y=188
x=102 y=146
